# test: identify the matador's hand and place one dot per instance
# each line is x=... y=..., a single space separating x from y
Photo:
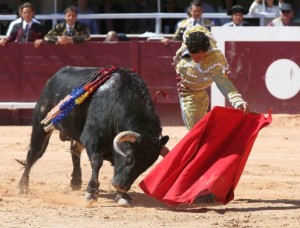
x=244 y=107
x=175 y=60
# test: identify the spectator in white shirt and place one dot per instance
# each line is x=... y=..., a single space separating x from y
x=271 y=6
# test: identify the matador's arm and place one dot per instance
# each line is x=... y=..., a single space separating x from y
x=227 y=88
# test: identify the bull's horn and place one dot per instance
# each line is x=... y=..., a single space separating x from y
x=124 y=136
x=164 y=151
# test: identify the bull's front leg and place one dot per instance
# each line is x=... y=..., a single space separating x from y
x=93 y=151
x=92 y=191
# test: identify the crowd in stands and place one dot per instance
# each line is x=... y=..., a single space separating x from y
x=73 y=30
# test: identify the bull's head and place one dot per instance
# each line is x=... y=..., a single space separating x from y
x=135 y=154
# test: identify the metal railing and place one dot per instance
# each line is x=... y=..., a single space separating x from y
x=157 y=16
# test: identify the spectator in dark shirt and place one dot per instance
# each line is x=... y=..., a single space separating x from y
x=169 y=24
x=83 y=8
x=27 y=30
x=209 y=8
x=109 y=6
x=4 y=10
x=297 y=8
x=138 y=26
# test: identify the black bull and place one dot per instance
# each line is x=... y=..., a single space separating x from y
x=117 y=123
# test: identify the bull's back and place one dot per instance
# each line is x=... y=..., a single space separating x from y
x=59 y=86
x=62 y=83
x=69 y=77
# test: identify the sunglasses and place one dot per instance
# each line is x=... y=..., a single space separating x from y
x=286 y=11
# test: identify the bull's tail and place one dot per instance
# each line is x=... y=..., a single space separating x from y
x=23 y=163
x=157 y=93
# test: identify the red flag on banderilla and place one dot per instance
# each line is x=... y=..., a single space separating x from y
x=209 y=160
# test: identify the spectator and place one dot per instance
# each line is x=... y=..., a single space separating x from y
x=67 y=32
x=224 y=8
x=169 y=24
x=297 y=9
x=237 y=13
x=27 y=30
x=83 y=8
x=188 y=15
x=113 y=36
x=138 y=26
x=286 y=18
x=195 y=19
x=271 y=6
x=296 y=6
x=208 y=8
x=48 y=7
x=109 y=6
x=4 y=10
x=18 y=20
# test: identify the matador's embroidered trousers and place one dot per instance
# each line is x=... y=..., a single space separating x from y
x=193 y=107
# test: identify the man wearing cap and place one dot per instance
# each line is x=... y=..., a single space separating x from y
x=286 y=18
x=237 y=13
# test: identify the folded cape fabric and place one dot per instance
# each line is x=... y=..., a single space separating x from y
x=210 y=159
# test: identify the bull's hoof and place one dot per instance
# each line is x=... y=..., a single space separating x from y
x=76 y=184
x=123 y=199
x=208 y=200
x=124 y=202
x=91 y=196
x=23 y=188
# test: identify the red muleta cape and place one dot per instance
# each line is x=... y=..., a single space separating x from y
x=209 y=159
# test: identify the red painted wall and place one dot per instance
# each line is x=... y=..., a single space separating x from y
x=25 y=69
x=249 y=63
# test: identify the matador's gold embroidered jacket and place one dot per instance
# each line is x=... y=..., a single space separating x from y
x=194 y=78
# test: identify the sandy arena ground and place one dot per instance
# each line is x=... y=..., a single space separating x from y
x=268 y=194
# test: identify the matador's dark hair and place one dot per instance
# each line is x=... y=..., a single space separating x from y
x=197 y=41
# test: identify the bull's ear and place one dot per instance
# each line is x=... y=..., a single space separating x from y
x=164 y=140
